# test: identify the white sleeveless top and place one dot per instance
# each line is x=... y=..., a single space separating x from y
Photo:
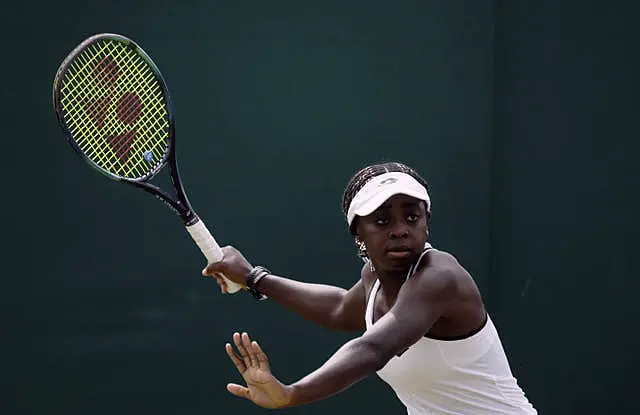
x=466 y=377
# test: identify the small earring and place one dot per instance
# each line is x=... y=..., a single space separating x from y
x=363 y=253
x=361 y=246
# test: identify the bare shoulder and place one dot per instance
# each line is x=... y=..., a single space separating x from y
x=442 y=261
x=441 y=270
x=444 y=270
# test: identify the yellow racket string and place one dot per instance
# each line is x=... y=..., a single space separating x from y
x=115 y=109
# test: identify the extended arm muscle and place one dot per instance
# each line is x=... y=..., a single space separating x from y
x=328 y=306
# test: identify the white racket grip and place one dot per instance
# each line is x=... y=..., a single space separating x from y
x=210 y=249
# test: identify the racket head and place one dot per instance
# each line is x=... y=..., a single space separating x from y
x=114 y=107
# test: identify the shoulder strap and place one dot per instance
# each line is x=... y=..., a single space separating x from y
x=427 y=248
x=368 y=315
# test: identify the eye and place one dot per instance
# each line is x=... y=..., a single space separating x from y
x=382 y=221
x=413 y=217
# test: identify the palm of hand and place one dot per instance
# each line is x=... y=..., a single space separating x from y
x=262 y=387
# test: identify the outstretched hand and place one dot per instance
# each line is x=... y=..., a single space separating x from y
x=262 y=388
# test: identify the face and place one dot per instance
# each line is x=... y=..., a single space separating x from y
x=395 y=233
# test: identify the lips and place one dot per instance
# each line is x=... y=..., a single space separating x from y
x=399 y=252
x=400 y=248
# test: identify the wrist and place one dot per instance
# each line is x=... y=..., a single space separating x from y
x=290 y=396
x=252 y=280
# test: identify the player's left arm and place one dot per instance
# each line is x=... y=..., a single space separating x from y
x=422 y=300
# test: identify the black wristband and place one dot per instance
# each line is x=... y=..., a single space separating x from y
x=254 y=276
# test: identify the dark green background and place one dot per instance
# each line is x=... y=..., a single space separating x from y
x=521 y=115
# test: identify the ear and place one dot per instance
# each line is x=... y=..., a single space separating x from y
x=428 y=217
x=353 y=229
x=427 y=212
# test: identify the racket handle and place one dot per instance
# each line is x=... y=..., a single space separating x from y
x=210 y=249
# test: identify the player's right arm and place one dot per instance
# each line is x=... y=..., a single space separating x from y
x=328 y=306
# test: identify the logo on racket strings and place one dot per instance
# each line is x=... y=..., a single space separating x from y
x=128 y=107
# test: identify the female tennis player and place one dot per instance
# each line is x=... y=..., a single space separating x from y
x=426 y=331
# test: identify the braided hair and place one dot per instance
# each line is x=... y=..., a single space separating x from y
x=367 y=173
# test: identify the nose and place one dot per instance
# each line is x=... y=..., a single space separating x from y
x=399 y=230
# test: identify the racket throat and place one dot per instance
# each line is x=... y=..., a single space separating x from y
x=189 y=218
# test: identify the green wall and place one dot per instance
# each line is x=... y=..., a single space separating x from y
x=519 y=115
x=564 y=203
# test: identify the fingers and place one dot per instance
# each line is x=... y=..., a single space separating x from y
x=261 y=357
x=221 y=282
x=244 y=355
x=241 y=345
x=211 y=270
x=216 y=267
x=235 y=359
x=238 y=390
x=250 y=353
x=246 y=343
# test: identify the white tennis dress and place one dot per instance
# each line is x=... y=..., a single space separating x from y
x=469 y=376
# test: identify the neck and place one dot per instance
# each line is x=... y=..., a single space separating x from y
x=391 y=280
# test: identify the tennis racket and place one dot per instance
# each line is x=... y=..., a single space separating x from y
x=115 y=109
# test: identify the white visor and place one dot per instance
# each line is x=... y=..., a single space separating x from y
x=379 y=189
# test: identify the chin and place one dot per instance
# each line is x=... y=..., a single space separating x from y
x=400 y=264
